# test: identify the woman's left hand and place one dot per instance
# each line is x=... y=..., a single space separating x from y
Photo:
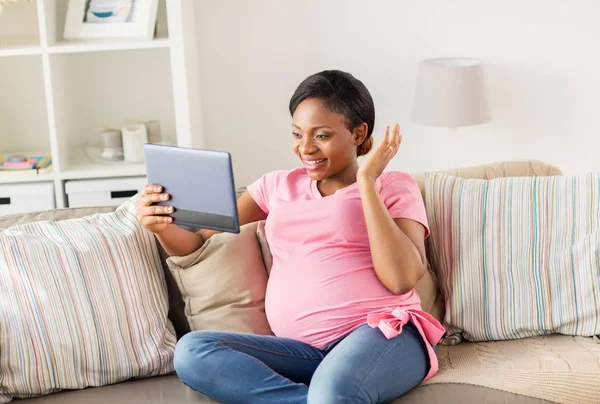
x=378 y=159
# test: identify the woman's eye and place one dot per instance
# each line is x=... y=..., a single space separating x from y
x=296 y=135
x=322 y=136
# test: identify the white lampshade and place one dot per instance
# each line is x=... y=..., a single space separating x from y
x=450 y=93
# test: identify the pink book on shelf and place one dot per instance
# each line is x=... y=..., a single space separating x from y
x=26 y=163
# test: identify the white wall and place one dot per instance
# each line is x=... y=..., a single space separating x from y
x=542 y=62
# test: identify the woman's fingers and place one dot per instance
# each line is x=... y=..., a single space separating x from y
x=145 y=204
x=153 y=217
x=386 y=136
x=158 y=210
x=151 y=189
x=149 y=199
x=150 y=220
x=395 y=140
x=155 y=214
x=389 y=143
x=158 y=197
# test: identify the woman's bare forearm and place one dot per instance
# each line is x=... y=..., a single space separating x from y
x=177 y=241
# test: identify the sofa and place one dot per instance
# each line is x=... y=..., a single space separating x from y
x=169 y=389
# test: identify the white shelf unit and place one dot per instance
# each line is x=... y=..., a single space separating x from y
x=57 y=94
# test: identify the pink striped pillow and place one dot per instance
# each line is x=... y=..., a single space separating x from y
x=517 y=257
x=83 y=302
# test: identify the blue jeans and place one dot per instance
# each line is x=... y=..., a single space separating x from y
x=362 y=367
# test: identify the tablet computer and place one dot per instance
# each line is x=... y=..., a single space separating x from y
x=200 y=183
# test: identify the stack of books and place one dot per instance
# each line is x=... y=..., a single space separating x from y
x=39 y=164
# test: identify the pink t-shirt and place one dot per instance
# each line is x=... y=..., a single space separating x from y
x=322 y=283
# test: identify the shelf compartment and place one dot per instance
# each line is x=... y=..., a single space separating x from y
x=23 y=115
x=55 y=17
x=96 y=90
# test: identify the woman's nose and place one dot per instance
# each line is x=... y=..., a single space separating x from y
x=307 y=146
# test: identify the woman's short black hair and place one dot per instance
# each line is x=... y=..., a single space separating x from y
x=341 y=93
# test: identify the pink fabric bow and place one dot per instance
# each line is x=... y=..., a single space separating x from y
x=430 y=329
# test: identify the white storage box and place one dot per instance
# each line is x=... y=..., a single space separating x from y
x=26 y=197
x=102 y=192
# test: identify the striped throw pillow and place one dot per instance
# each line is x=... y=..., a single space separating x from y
x=83 y=302
x=517 y=257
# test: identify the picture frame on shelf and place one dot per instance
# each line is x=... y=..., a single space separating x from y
x=104 y=19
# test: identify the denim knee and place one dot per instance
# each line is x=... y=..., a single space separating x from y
x=334 y=388
x=190 y=358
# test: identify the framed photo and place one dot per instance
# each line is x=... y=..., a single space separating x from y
x=110 y=19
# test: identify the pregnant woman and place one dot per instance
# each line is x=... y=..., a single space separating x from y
x=348 y=248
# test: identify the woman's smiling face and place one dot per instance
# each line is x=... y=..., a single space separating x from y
x=322 y=140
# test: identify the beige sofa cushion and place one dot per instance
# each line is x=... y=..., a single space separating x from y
x=557 y=368
x=514 y=168
x=170 y=390
x=223 y=283
x=83 y=304
x=264 y=246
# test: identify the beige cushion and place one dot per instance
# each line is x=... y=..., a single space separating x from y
x=264 y=246
x=223 y=283
x=83 y=303
x=170 y=390
x=563 y=369
x=514 y=168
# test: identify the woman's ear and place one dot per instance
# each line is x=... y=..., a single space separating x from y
x=360 y=133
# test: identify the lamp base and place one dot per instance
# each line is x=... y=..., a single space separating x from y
x=453 y=132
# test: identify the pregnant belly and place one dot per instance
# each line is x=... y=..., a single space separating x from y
x=319 y=303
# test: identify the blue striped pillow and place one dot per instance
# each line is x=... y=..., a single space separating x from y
x=83 y=302
x=517 y=257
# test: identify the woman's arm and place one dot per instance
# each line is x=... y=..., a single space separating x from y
x=177 y=241
x=397 y=245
